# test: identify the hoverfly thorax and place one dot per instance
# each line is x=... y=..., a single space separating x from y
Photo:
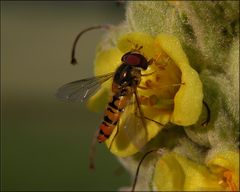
x=127 y=75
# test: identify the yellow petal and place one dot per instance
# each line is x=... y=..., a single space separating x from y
x=168 y=174
x=188 y=100
x=177 y=173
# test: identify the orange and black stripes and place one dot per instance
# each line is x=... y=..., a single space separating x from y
x=114 y=103
x=111 y=117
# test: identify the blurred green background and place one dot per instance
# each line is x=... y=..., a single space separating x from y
x=45 y=142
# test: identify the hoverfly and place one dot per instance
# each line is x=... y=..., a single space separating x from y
x=125 y=82
x=125 y=79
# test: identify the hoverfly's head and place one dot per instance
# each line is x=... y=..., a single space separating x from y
x=135 y=59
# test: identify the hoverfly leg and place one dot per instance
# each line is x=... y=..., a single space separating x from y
x=148 y=74
x=140 y=110
x=205 y=123
x=93 y=150
x=151 y=120
x=154 y=121
x=142 y=87
x=141 y=115
x=151 y=61
x=117 y=127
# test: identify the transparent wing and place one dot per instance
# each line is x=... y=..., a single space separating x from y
x=134 y=123
x=79 y=91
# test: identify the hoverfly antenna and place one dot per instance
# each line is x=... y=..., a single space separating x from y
x=73 y=58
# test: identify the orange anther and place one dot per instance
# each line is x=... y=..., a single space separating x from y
x=229 y=180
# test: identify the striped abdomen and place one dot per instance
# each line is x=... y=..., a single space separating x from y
x=111 y=116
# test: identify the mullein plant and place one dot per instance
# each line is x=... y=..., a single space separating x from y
x=195 y=46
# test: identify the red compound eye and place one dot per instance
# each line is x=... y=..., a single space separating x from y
x=132 y=59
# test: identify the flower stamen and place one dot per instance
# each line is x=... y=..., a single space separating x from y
x=136 y=47
x=229 y=180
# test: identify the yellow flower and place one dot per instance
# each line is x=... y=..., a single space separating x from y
x=174 y=90
x=174 y=172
